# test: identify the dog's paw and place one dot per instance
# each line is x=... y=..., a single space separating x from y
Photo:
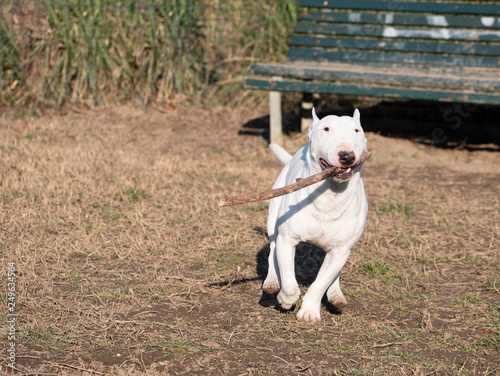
x=271 y=287
x=337 y=301
x=287 y=301
x=308 y=315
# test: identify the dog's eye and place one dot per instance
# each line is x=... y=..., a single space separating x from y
x=326 y=129
x=356 y=130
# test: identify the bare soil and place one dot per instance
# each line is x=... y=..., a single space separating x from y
x=126 y=266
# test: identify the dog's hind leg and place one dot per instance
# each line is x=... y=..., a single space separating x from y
x=285 y=255
x=334 y=294
x=271 y=284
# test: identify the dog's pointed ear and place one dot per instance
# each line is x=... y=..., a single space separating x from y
x=314 y=122
x=315 y=118
x=356 y=116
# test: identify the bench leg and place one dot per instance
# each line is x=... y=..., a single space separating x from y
x=306 y=107
x=275 y=122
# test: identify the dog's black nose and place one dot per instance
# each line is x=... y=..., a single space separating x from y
x=346 y=158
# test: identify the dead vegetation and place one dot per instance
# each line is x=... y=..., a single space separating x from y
x=126 y=265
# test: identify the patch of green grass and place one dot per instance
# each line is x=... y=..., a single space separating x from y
x=7 y=198
x=454 y=343
x=320 y=347
x=218 y=232
x=375 y=268
x=404 y=355
x=48 y=338
x=155 y=324
x=111 y=214
x=442 y=258
x=95 y=204
x=399 y=335
x=408 y=239
x=96 y=296
x=491 y=342
x=420 y=298
x=114 y=294
x=225 y=258
x=472 y=260
x=492 y=314
x=350 y=293
x=393 y=206
x=73 y=277
x=431 y=260
x=493 y=284
x=453 y=230
x=399 y=308
x=16 y=194
x=473 y=299
x=329 y=346
x=438 y=368
x=172 y=346
x=133 y=194
x=60 y=203
x=223 y=179
x=156 y=251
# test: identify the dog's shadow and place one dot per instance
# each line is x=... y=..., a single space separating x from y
x=308 y=260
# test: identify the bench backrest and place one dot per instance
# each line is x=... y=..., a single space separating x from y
x=410 y=32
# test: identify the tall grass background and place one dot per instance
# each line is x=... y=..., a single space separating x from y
x=101 y=52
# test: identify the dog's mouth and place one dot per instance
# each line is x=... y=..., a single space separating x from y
x=345 y=174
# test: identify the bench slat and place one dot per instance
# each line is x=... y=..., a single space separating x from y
x=437 y=51
x=388 y=74
x=396 y=32
x=399 y=6
x=403 y=19
x=378 y=91
x=308 y=54
x=397 y=45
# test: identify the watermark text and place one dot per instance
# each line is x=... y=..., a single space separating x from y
x=11 y=314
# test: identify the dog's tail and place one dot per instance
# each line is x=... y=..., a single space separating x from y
x=281 y=154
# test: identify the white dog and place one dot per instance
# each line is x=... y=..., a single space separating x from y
x=330 y=214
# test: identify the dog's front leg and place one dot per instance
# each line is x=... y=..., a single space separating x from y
x=285 y=255
x=331 y=267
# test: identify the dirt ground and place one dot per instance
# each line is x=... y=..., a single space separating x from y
x=124 y=264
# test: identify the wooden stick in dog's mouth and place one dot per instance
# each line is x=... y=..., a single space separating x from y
x=301 y=183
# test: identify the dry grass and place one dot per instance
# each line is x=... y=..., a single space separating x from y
x=127 y=266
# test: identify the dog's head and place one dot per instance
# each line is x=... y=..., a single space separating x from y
x=337 y=141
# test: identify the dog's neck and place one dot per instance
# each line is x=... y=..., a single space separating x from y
x=330 y=196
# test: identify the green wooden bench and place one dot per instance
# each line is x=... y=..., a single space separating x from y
x=413 y=50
